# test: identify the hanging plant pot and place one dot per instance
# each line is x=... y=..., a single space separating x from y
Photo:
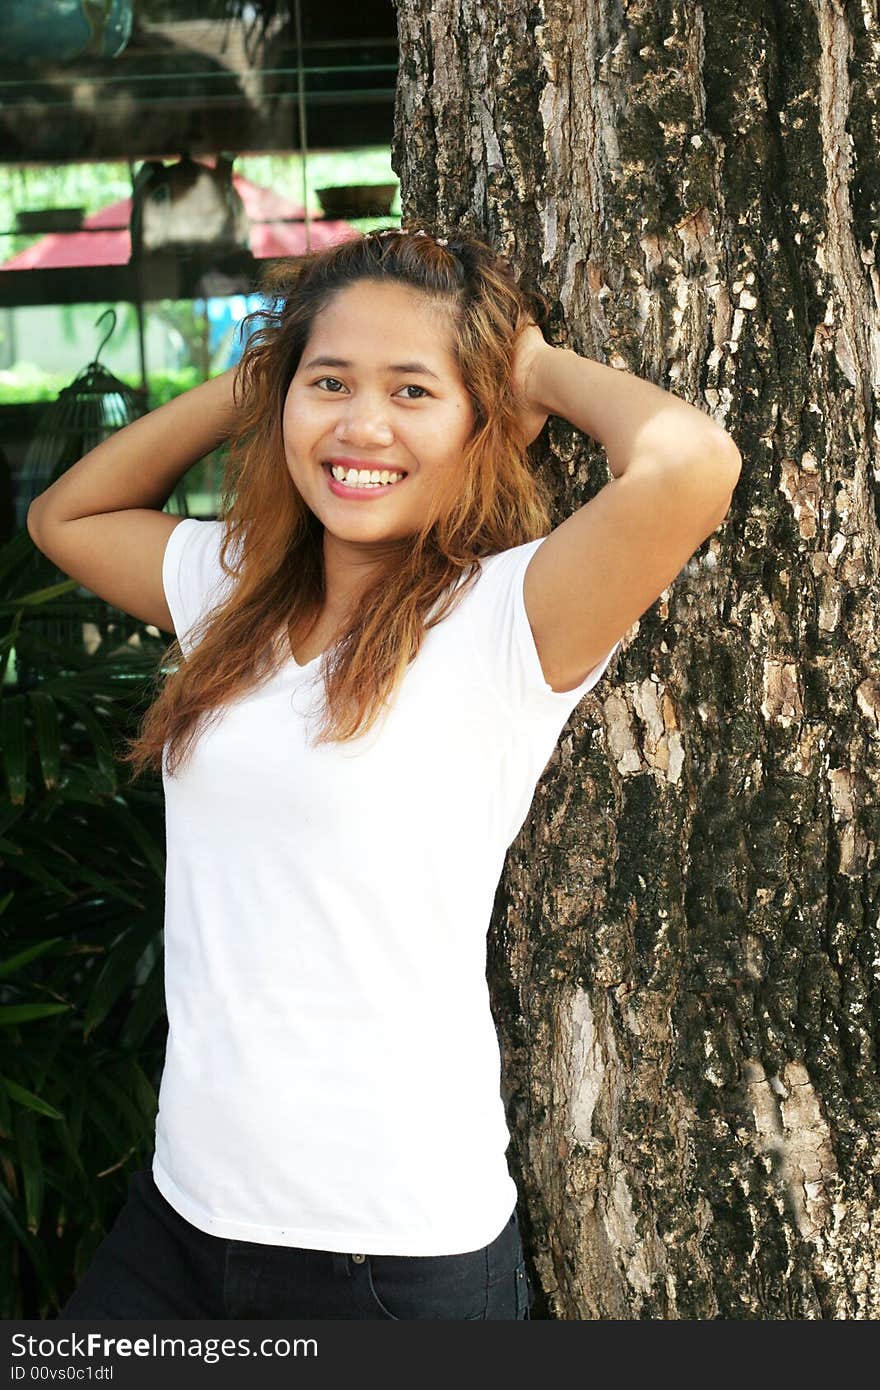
x=49 y=219
x=57 y=31
x=357 y=200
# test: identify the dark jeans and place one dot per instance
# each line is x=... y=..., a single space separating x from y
x=154 y=1264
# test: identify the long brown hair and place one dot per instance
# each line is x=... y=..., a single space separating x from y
x=277 y=541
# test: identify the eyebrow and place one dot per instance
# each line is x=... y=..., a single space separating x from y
x=418 y=367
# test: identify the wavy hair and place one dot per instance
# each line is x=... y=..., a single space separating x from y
x=277 y=541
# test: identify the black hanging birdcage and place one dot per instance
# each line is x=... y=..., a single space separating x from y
x=95 y=405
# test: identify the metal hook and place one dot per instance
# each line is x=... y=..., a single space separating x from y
x=110 y=331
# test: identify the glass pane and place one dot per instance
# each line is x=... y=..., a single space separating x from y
x=156 y=156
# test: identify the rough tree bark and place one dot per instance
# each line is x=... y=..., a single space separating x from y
x=684 y=954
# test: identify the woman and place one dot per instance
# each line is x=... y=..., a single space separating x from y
x=379 y=645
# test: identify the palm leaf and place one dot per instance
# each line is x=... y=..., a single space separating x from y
x=47 y=731
x=14 y=745
x=117 y=973
x=104 y=759
x=29 y=953
x=31 y=1167
x=30 y=1100
x=148 y=1008
x=33 y=1248
x=26 y=1013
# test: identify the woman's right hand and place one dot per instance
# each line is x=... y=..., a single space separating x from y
x=530 y=347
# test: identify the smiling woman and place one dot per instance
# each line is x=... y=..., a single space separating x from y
x=420 y=339
x=353 y=653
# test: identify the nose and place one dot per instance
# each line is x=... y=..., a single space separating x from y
x=363 y=420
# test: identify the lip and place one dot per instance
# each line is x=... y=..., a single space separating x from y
x=359 y=494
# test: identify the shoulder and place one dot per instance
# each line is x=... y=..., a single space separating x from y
x=507 y=642
x=196 y=544
x=192 y=573
x=607 y=563
x=502 y=564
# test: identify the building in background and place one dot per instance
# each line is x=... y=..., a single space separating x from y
x=124 y=148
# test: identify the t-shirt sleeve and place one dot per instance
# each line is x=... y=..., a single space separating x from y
x=192 y=576
x=506 y=645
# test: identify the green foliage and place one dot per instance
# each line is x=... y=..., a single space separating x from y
x=164 y=386
x=82 y=1023
x=35 y=386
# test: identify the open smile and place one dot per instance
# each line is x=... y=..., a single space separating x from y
x=362 y=493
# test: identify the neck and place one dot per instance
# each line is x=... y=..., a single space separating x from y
x=350 y=569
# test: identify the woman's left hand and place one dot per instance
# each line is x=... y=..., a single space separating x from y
x=530 y=345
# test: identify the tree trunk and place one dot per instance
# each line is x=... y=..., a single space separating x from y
x=684 y=950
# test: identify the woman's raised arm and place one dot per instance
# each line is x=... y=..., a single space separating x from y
x=140 y=465
x=102 y=522
x=674 y=470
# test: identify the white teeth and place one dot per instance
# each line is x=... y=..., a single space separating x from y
x=354 y=477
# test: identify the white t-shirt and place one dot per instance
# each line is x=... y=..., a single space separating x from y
x=332 y=1071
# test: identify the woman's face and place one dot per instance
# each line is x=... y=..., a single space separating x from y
x=377 y=390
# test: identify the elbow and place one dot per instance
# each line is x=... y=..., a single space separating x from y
x=31 y=521
x=733 y=466
x=733 y=462
x=711 y=475
x=734 y=459
x=726 y=466
x=723 y=448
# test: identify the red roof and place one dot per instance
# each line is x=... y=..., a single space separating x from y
x=268 y=238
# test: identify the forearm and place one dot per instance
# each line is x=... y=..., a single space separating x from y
x=140 y=465
x=630 y=417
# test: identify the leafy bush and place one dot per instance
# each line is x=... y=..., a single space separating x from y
x=164 y=386
x=82 y=1022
